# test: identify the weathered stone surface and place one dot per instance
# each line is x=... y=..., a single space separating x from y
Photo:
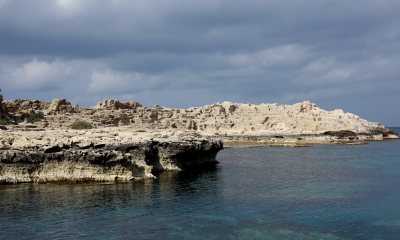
x=234 y=119
x=131 y=141
x=227 y=118
x=293 y=140
x=59 y=107
x=341 y=134
x=99 y=156
x=19 y=106
x=115 y=104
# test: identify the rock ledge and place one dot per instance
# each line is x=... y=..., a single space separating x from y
x=56 y=157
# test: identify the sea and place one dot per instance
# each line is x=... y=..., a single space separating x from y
x=319 y=192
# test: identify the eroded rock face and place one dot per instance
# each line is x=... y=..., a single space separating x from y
x=115 y=104
x=235 y=119
x=19 y=106
x=76 y=159
x=59 y=107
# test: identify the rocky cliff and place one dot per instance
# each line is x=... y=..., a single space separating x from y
x=82 y=156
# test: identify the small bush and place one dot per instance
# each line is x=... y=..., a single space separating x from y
x=4 y=121
x=81 y=125
x=32 y=117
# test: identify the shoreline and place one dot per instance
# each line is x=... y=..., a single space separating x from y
x=58 y=156
x=55 y=142
x=125 y=154
x=305 y=140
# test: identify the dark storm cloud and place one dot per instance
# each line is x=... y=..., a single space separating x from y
x=95 y=28
x=339 y=54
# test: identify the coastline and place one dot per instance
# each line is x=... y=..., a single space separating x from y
x=307 y=140
x=126 y=141
x=98 y=156
x=124 y=153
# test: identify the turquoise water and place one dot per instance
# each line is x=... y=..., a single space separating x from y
x=321 y=192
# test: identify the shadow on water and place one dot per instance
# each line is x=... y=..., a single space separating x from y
x=176 y=205
x=103 y=211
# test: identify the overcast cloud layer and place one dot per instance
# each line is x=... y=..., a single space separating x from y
x=179 y=53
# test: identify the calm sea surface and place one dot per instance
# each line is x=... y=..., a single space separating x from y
x=321 y=192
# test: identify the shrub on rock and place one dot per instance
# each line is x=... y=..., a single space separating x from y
x=81 y=125
x=4 y=121
x=32 y=117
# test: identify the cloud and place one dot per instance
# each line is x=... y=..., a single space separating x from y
x=277 y=56
x=27 y=76
x=317 y=94
x=109 y=81
x=3 y=2
x=320 y=65
x=103 y=28
x=37 y=75
x=180 y=53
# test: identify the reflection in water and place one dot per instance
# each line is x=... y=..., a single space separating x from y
x=56 y=211
x=324 y=192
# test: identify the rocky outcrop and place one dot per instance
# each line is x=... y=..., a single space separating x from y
x=130 y=141
x=19 y=106
x=59 y=107
x=221 y=119
x=48 y=157
x=115 y=104
x=233 y=119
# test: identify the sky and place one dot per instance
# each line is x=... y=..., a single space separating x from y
x=338 y=54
